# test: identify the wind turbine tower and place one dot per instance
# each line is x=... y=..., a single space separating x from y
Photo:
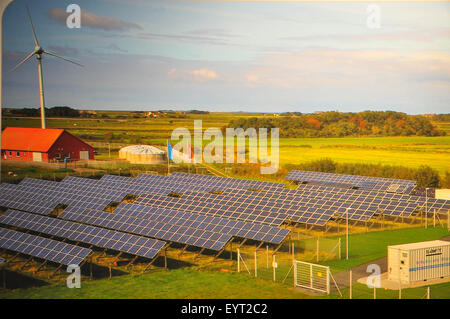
x=39 y=51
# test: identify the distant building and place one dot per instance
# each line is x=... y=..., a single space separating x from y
x=43 y=145
x=143 y=154
x=151 y=114
x=88 y=112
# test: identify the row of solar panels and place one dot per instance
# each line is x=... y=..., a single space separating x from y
x=271 y=207
x=197 y=234
x=114 y=240
x=353 y=181
x=305 y=204
x=311 y=207
x=44 y=248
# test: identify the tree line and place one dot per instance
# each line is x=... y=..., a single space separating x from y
x=337 y=124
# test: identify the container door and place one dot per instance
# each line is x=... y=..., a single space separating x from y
x=404 y=267
x=37 y=157
x=84 y=155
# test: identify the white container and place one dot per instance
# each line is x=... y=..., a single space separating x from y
x=421 y=261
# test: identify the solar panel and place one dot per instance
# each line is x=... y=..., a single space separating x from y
x=74 y=198
x=362 y=182
x=132 y=244
x=89 y=190
x=44 y=248
x=225 y=226
x=216 y=205
x=27 y=204
x=175 y=233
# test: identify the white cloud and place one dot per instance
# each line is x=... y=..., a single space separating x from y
x=198 y=75
x=89 y=19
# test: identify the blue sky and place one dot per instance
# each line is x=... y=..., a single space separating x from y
x=233 y=56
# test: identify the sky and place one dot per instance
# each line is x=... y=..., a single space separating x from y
x=232 y=56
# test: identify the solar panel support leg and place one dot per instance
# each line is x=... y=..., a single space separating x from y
x=12 y=258
x=201 y=250
x=131 y=261
x=183 y=250
x=219 y=253
x=53 y=273
x=259 y=246
x=26 y=263
x=149 y=264
x=116 y=258
x=242 y=243
x=40 y=267
x=277 y=248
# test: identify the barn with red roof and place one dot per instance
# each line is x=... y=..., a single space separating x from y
x=43 y=145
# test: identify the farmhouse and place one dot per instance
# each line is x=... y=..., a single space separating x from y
x=43 y=145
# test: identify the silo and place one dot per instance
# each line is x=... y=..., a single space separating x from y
x=143 y=154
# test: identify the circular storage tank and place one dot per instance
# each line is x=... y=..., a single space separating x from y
x=143 y=154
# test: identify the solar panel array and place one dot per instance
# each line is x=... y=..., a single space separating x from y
x=225 y=226
x=182 y=208
x=44 y=248
x=218 y=181
x=91 y=190
x=349 y=181
x=309 y=204
x=27 y=204
x=74 y=197
x=132 y=244
x=156 y=229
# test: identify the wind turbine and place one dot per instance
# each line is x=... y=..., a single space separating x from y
x=38 y=51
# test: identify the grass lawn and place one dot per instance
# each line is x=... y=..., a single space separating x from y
x=373 y=245
x=360 y=291
x=181 y=283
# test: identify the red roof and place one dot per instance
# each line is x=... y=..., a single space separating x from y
x=29 y=139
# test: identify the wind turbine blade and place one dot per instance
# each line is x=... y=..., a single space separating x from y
x=32 y=27
x=55 y=55
x=23 y=61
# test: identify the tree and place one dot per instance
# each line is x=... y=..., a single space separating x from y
x=427 y=177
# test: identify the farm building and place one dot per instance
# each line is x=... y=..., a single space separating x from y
x=143 y=154
x=43 y=145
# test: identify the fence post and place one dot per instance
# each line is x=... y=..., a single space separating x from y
x=328 y=281
x=428 y=292
x=399 y=290
x=267 y=256
x=273 y=267
x=350 y=286
x=374 y=292
x=238 y=260
x=293 y=251
x=295 y=273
